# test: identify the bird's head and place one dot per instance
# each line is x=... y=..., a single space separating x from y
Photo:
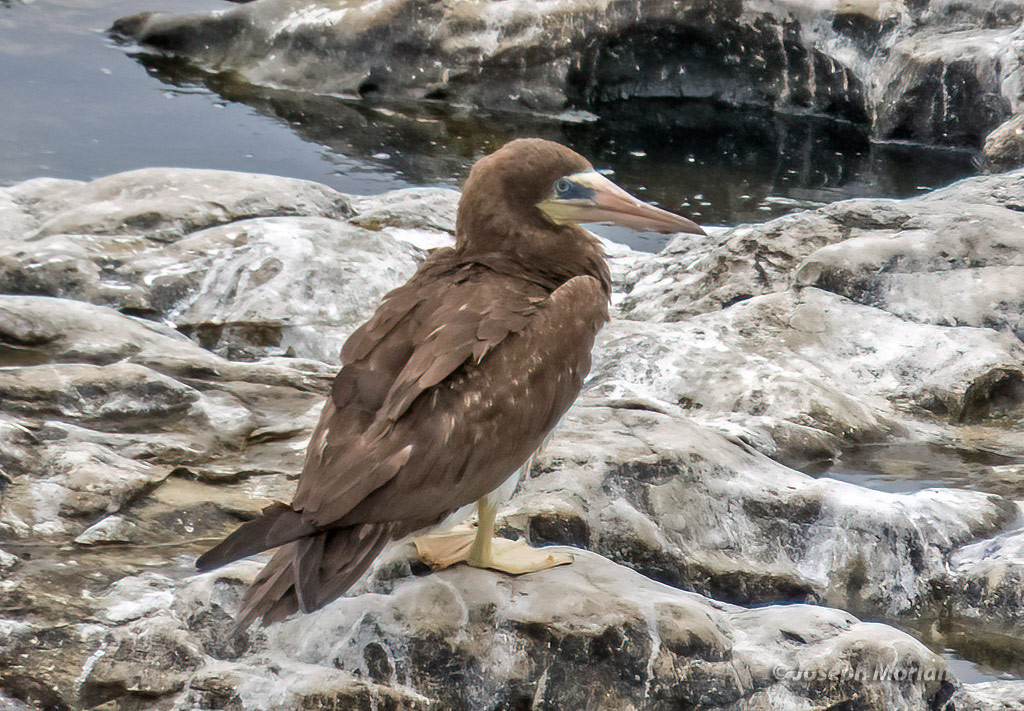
x=534 y=184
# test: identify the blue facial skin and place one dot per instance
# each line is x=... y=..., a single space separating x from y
x=566 y=189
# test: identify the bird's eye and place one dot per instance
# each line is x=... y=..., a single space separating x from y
x=562 y=186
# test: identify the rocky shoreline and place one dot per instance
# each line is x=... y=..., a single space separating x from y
x=945 y=73
x=166 y=337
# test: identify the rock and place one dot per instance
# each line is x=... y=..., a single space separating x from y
x=168 y=203
x=693 y=276
x=85 y=439
x=1000 y=13
x=952 y=262
x=805 y=373
x=985 y=586
x=101 y=396
x=951 y=257
x=246 y=305
x=129 y=447
x=945 y=74
x=990 y=696
x=425 y=209
x=112 y=529
x=222 y=256
x=8 y=704
x=7 y=561
x=557 y=638
x=649 y=490
x=946 y=87
x=1004 y=146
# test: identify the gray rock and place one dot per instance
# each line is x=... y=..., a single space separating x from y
x=138 y=445
x=112 y=529
x=985 y=586
x=801 y=374
x=951 y=257
x=947 y=87
x=7 y=561
x=990 y=696
x=947 y=74
x=428 y=210
x=1004 y=146
x=556 y=639
x=8 y=704
x=952 y=262
x=168 y=203
x=136 y=403
x=225 y=257
x=652 y=491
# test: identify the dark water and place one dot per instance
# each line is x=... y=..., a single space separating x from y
x=76 y=105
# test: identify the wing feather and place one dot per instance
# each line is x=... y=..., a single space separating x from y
x=422 y=333
x=496 y=390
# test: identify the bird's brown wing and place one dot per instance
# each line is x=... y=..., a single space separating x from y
x=444 y=393
x=449 y=389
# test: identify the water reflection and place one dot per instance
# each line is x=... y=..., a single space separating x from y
x=903 y=467
x=720 y=165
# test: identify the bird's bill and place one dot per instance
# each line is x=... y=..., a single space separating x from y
x=591 y=197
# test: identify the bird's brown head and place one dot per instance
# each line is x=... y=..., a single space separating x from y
x=526 y=199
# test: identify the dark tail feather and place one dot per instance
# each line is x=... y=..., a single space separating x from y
x=309 y=573
x=278 y=524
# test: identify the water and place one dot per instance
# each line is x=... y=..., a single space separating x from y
x=78 y=106
x=904 y=467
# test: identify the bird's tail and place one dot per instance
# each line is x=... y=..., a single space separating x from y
x=308 y=573
x=278 y=524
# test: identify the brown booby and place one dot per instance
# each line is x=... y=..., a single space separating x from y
x=452 y=385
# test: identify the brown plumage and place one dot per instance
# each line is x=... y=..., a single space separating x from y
x=447 y=390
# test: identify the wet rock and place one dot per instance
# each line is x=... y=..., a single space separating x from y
x=225 y=257
x=691 y=276
x=112 y=529
x=106 y=407
x=951 y=257
x=168 y=203
x=800 y=373
x=557 y=638
x=428 y=210
x=101 y=396
x=985 y=586
x=951 y=263
x=997 y=13
x=248 y=303
x=8 y=704
x=947 y=87
x=945 y=74
x=1004 y=146
x=647 y=490
x=7 y=561
x=129 y=447
x=990 y=696
x=138 y=664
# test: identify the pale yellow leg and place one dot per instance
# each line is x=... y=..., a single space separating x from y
x=481 y=549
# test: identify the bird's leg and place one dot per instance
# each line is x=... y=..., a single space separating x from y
x=483 y=550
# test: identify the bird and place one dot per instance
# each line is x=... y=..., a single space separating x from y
x=451 y=386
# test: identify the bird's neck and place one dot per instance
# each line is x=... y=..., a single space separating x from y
x=546 y=256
